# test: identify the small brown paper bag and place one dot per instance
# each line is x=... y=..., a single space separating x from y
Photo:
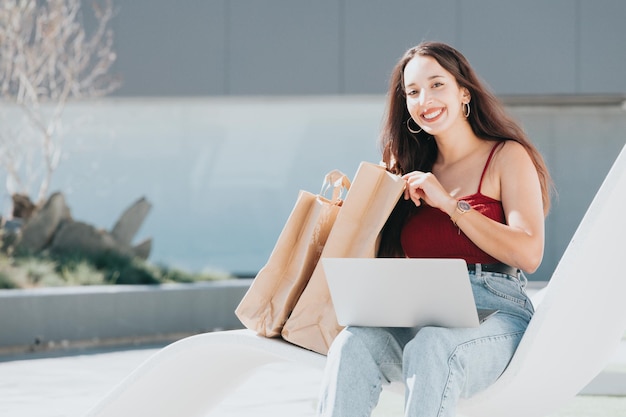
x=367 y=206
x=277 y=286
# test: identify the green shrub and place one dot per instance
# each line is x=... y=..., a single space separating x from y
x=37 y=270
x=6 y=282
x=81 y=273
x=27 y=271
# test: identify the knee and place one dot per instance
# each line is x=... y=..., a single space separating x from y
x=347 y=343
x=354 y=342
x=433 y=344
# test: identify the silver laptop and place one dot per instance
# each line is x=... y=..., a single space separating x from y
x=402 y=292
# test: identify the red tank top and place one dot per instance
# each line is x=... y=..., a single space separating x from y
x=430 y=233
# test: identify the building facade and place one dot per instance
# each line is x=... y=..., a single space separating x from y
x=228 y=108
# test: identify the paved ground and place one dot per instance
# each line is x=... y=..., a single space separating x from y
x=67 y=386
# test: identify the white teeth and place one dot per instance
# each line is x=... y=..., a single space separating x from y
x=432 y=115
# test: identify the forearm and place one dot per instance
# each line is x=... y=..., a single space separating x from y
x=511 y=245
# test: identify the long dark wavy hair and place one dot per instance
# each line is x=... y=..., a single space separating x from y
x=404 y=152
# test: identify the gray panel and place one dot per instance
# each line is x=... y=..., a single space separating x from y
x=378 y=33
x=50 y=318
x=585 y=149
x=602 y=47
x=284 y=47
x=170 y=48
x=223 y=173
x=580 y=145
x=522 y=47
x=350 y=46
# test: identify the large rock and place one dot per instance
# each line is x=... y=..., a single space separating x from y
x=143 y=248
x=39 y=230
x=79 y=237
x=52 y=228
x=130 y=221
x=23 y=207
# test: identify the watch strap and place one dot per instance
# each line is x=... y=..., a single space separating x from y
x=461 y=208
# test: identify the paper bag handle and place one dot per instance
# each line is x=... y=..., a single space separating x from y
x=338 y=181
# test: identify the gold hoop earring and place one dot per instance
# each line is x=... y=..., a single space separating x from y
x=408 y=126
x=466 y=110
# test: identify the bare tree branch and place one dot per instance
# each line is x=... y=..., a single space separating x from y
x=46 y=59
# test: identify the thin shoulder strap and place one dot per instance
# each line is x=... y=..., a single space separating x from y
x=493 y=150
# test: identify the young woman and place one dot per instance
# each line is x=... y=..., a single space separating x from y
x=477 y=189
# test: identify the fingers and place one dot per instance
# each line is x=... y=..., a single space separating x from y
x=413 y=190
x=423 y=187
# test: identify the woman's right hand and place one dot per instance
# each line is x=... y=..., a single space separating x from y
x=424 y=186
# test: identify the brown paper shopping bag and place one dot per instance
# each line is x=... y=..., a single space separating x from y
x=277 y=286
x=367 y=206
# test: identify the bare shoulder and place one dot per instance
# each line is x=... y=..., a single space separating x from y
x=512 y=155
x=512 y=149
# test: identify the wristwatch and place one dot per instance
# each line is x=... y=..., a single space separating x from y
x=462 y=207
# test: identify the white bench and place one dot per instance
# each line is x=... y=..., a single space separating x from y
x=574 y=333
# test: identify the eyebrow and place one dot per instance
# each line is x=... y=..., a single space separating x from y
x=432 y=77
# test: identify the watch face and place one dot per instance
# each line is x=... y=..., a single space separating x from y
x=464 y=206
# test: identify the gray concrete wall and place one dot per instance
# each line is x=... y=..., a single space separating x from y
x=250 y=101
x=222 y=186
x=59 y=318
x=580 y=144
x=278 y=47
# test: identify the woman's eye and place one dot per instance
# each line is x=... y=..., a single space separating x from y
x=437 y=84
x=412 y=92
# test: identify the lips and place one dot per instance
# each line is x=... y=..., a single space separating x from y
x=432 y=115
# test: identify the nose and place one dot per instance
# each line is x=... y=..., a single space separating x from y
x=423 y=98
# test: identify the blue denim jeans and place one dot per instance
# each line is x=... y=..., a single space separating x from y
x=437 y=365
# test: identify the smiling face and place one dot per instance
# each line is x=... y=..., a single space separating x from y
x=433 y=97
